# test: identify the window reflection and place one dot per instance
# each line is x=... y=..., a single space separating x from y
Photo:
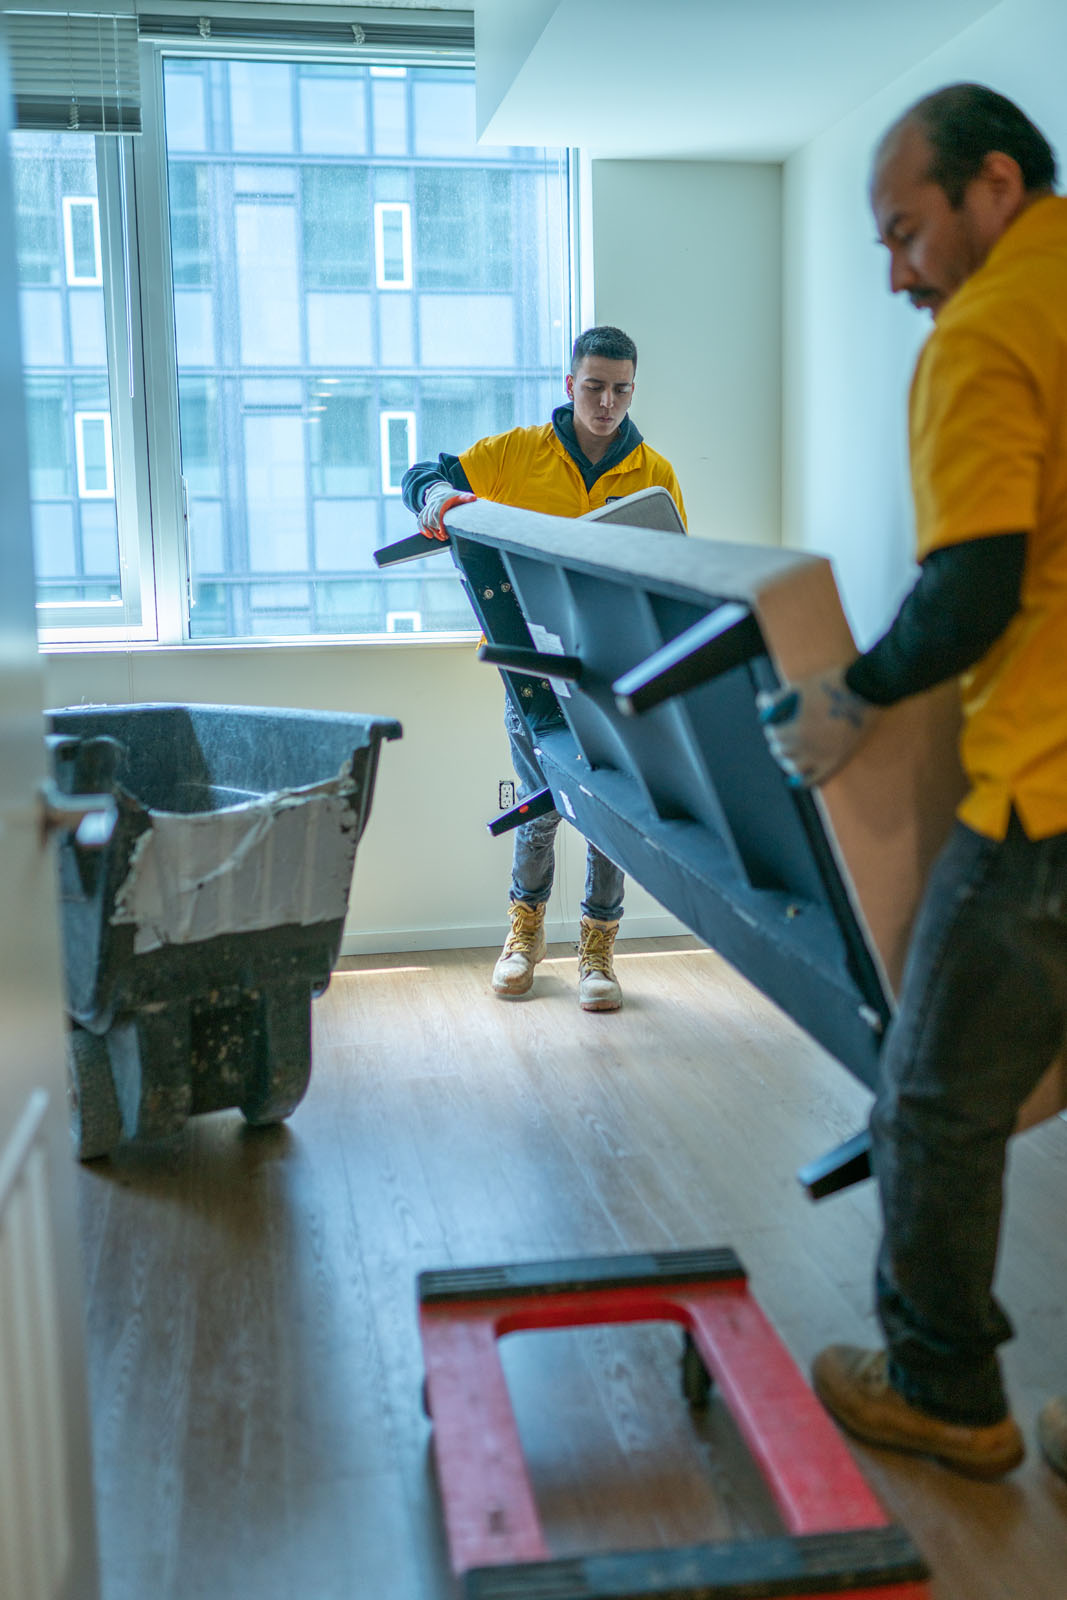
x=344 y=255
x=64 y=347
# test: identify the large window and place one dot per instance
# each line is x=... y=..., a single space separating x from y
x=241 y=328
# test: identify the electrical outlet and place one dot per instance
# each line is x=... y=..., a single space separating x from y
x=506 y=794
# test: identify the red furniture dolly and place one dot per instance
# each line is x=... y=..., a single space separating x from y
x=838 y=1540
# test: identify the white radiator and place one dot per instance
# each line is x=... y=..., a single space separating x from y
x=35 y=1531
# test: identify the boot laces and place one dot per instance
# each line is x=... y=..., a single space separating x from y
x=596 y=950
x=524 y=925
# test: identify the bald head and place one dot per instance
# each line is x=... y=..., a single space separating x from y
x=961 y=125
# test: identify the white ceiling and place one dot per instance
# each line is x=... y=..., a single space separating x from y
x=727 y=79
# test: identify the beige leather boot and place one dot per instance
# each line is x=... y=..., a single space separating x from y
x=598 y=988
x=853 y=1385
x=523 y=948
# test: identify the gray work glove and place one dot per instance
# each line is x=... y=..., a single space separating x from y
x=439 y=497
x=813 y=727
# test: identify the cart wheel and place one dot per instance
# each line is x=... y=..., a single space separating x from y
x=95 y=1118
x=696 y=1379
x=272 y=1109
x=281 y=1076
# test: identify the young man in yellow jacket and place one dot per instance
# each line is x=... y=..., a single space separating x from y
x=588 y=454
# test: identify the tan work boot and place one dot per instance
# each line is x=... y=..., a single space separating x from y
x=1052 y=1434
x=854 y=1387
x=598 y=988
x=523 y=948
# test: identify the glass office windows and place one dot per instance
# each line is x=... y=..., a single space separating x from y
x=276 y=492
x=456 y=208
x=100 y=547
x=92 y=451
x=344 y=450
x=389 y=110
x=398 y=447
x=194 y=327
x=49 y=428
x=186 y=106
x=88 y=335
x=392 y=182
x=396 y=333
x=198 y=400
x=340 y=329
x=261 y=100
x=71 y=438
x=337 y=243
x=444 y=115
x=207 y=554
x=44 y=320
x=191 y=209
x=81 y=240
x=392 y=244
x=346 y=533
x=333 y=111
x=452 y=409
x=210 y=535
x=268 y=297
x=476 y=330
x=55 y=551
x=340 y=297
x=40 y=260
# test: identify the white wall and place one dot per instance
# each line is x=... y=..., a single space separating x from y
x=849 y=347
x=687 y=259
x=505 y=31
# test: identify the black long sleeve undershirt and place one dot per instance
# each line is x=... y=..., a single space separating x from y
x=417 y=479
x=964 y=598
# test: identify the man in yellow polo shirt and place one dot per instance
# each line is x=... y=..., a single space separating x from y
x=588 y=454
x=962 y=192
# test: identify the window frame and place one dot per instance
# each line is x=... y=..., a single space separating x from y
x=381 y=277
x=80 y=420
x=124 y=343
x=385 y=447
x=76 y=280
x=153 y=505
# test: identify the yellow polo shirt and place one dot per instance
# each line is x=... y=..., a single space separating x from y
x=529 y=468
x=988 y=426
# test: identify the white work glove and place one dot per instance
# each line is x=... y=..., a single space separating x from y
x=815 y=726
x=440 y=497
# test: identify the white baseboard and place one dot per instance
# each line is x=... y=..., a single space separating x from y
x=394 y=941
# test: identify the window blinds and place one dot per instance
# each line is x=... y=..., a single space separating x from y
x=75 y=71
x=408 y=31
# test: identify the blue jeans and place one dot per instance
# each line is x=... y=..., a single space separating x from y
x=534 y=861
x=983 y=1012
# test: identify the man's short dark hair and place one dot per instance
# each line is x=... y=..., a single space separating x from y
x=964 y=122
x=610 y=343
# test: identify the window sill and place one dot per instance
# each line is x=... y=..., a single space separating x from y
x=338 y=642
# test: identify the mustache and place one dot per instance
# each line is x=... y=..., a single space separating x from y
x=924 y=299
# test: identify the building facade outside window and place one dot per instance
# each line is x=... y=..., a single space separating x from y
x=352 y=284
x=68 y=396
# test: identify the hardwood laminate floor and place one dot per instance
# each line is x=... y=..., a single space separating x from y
x=255 y=1367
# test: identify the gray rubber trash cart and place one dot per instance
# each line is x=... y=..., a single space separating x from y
x=196 y=935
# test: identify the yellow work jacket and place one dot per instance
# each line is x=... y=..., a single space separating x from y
x=530 y=468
